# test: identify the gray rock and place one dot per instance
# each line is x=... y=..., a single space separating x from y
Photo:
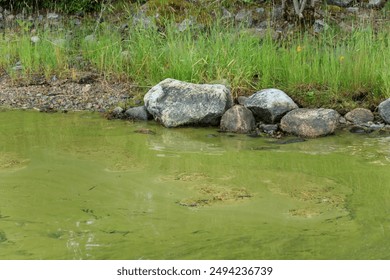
x=384 y=110
x=226 y=14
x=35 y=39
x=269 y=105
x=117 y=112
x=342 y=121
x=244 y=17
x=340 y=3
x=186 y=24
x=241 y=99
x=59 y=42
x=310 y=122
x=269 y=128
x=18 y=66
x=52 y=16
x=10 y=18
x=238 y=119
x=320 y=26
x=137 y=113
x=90 y=38
x=175 y=103
x=352 y=10
x=143 y=21
x=376 y=4
x=375 y=126
x=277 y=13
x=359 y=116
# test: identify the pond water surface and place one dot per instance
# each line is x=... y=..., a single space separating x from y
x=77 y=186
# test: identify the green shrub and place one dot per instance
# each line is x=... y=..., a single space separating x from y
x=65 y=6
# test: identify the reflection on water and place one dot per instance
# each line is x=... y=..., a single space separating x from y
x=76 y=186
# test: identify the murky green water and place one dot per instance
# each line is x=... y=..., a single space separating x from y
x=76 y=186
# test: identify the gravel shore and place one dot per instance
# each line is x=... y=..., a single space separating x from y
x=86 y=93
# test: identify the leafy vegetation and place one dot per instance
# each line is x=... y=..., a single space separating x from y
x=66 y=6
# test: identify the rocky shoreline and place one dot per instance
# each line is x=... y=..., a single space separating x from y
x=267 y=112
x=86 y=93
x=271 y=112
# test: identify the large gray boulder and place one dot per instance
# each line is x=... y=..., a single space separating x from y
x=310 y=122
x=384 y=110
x=269 y=105
x=359 y=116
x=176 y=103
x=238 y=119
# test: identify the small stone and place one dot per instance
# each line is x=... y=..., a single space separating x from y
x=117 y=113
x=10 y=18
x=244 y=17
x=90 y=38
x=226 y=14
x=35 y=39
x=360 y=130
x=269 y=128
x=340 y=3
x=185 y=25
x=59 y=42
x=241 y=99
x=342 y=121
x=52 y=16
x=376 y=3
x=353 y=10
x=320 y=26
x=18 y=66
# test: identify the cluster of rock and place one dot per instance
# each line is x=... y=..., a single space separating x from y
x=175 y=103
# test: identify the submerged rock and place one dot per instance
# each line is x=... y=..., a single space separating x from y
x=269 y=105
x=145 y=131
x=359 y=116
x=269 y=128
x=238 y=119
x=360 y=130
x=384 y=110
x=176 y=103
x=289 y=141
x=310 y=122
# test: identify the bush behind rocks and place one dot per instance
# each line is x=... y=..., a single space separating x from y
x=65 y=6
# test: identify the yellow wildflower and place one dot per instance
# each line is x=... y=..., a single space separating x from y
x=299 y=49
x=341 y=58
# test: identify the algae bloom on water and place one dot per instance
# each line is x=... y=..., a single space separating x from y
x=76 y=186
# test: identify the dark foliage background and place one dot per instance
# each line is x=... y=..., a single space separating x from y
x=65 y=6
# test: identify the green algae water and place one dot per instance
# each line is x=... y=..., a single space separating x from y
x=76 y=186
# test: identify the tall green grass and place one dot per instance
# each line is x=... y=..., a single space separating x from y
x=324 y=70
